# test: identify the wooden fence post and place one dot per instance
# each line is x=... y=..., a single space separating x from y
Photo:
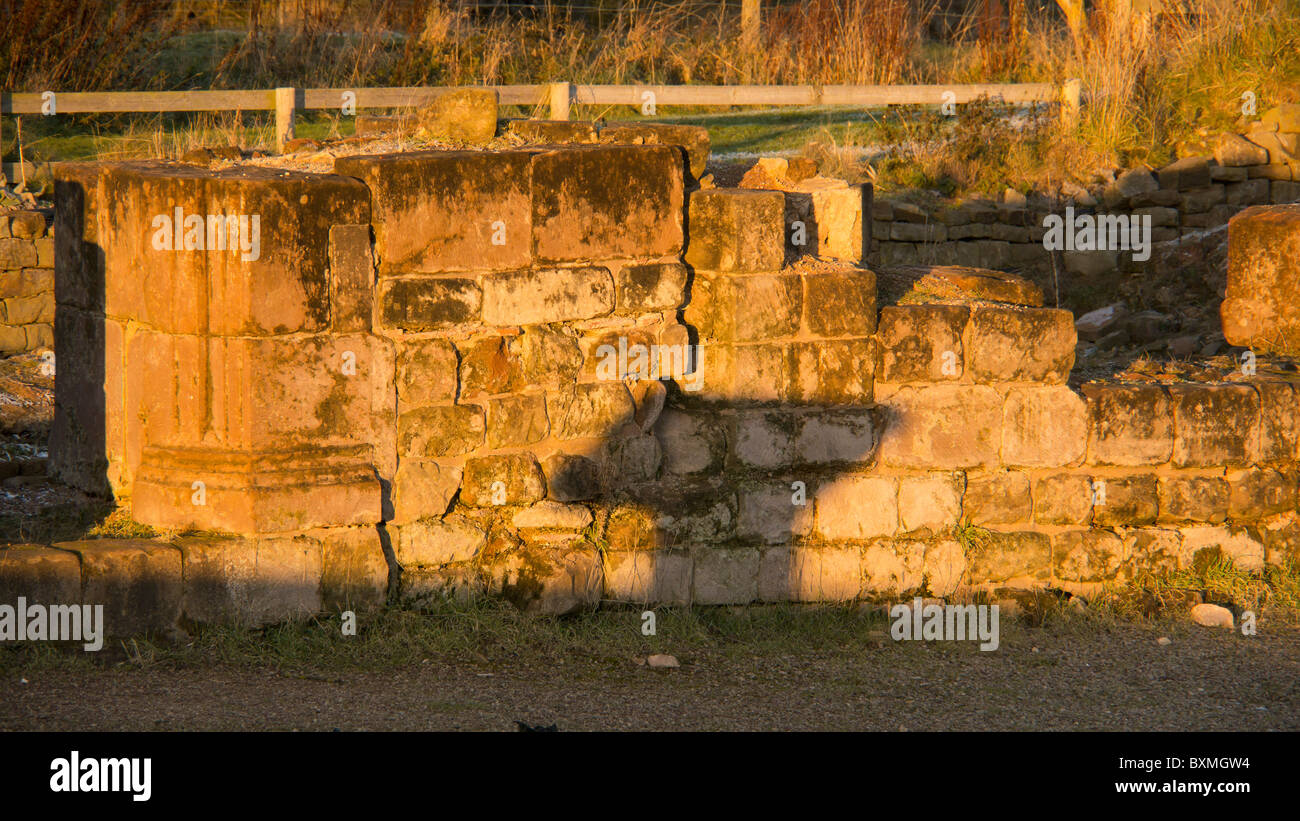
x=749 y=22
x=561 y=93
x=1071 y=101
x=285 y=108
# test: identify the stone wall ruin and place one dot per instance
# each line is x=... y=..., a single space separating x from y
x=410 y=391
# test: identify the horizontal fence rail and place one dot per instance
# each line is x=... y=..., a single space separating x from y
x=558 y=97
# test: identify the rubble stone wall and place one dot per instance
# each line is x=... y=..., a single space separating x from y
x=26 y=283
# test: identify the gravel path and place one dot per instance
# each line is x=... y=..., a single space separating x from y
x=1116 y=679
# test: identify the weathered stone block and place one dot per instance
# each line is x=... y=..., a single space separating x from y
x=1237 y=544
x=835 y=437
x=250 y=582
x=693 y=140
x=736 y=230
x=597 y=410
x=460 y=115
x=571 y=478
x=137 y=581
x=1062 y=499
x=725 y=576
x=238 y=252
x=41 y=575
x=1044 y=427
x=1129 y=424
x=761 y=439
x=1124 y=500
x=508 y=479
x=1279 y=421
x=810 y=574
x=856 y=507
x=1256 y=493
x=422 y=488
x=1009 y=344
x=999 y=498
x=1193 y=499
x=1262 y=306
x=551 y=516
x=448 y=210
x=515 y=421
x=430 y=303
x=426 y=373
x=922 y=343
x=773 y=513
x=658 y=576
x=443 y=430
x=1013 y=559
x=641 y=289
x=893 y=567
x=352 y=278
x=354 y=570
x=745 y=308
x=931 y=502
x=944 y=565
x=1087 y=556
x=1214 y=425
x=839 y=302
x=432 y=542
x=831 y=372
x=607 y=202
x=942 y=426
x=547 y=295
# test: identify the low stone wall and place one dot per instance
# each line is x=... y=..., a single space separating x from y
x=26 y=283
x=1184 y=200
x=555 y=374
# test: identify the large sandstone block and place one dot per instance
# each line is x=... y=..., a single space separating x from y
x=547 y=295
x=736 y=230
x=448 y=210
x=650 y=576
x=1193 y=499
x=838 y=302
x=1214 y=425
x=731 y=308
x=893 y=567
x=1062 y=499
x=999 y=498
x=78 y=256
x=1044 y=427
x=1262 y=307
x=831 y=212
x=922 y=343
x=831 y=372
x=773 y=513
x=856 y=508
x=644 y=289
x=1125 y=501
x=691 y=139
x=835 y=437
x=1129 y=424
x=1279 y=421
x=461 y=115
x=810 y=574
x=942 y=426
x=423 y=487
x=429 y=303
x=607 y=202
x=256 y=491
x=41 y=575
x=354 y=570
x=433 y=542
x=1013 y=344
x=239 y=252
x=929 y=502
x=1088 y=557
x=138 y=582
x=250 y=581
x=506 y=479
x=725 y=576
x=1013 y=559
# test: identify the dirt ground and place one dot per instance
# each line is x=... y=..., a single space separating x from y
x=1040 y=679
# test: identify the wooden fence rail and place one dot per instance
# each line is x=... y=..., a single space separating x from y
x=557 y=97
